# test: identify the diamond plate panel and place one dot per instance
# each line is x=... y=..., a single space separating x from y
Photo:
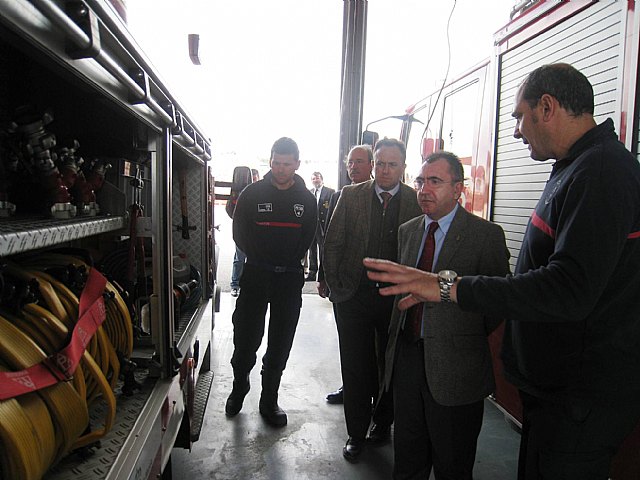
x=192 y=247
x=20 y=235
x=203 y=388
x=96 y=464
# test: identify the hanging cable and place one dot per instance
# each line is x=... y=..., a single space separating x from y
x=444 y=82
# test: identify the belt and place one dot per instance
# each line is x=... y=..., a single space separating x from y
x=275 y=268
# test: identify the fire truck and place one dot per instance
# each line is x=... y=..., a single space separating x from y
x=471 y=116
x=107 y=255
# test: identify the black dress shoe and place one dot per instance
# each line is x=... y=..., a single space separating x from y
x=352 y=449
x=336 y=397
x=379 y=434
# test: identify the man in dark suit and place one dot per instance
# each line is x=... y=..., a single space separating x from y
x=365 y=223
x=323 y=195
x=438 y=359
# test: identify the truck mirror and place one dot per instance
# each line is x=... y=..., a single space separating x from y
x=241 y=178
x=369 y=138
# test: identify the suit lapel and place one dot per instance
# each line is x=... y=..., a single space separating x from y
x=365 y=206
x=405 y=201
x=414 y=242
x=363 y=212
x=453 y=239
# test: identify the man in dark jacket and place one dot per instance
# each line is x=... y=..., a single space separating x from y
x=572 y=334
x=323 y=196
x=274 y=223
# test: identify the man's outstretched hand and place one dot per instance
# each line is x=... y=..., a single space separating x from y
x=420 y=285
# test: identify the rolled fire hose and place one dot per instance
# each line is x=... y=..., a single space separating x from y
x=34 y=418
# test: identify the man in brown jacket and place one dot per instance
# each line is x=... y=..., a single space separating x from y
x=365 y=223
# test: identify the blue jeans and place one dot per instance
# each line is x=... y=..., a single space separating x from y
x=238 y=265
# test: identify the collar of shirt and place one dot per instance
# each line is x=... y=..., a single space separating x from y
x=379 y=190
x=443 y=227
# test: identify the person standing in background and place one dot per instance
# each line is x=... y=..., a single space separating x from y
x=239 y=257
x=323 y=195
x=359 y=163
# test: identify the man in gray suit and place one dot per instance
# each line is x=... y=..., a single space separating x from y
x=365 y=223
x=438 y=359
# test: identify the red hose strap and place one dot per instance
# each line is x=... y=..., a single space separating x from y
x=61 y=365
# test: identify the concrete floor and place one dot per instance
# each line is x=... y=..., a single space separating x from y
x=310 y=446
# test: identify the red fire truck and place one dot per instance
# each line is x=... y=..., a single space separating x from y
x=471 y=116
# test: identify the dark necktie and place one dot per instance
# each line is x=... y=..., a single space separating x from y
x=414 y=315
x=386 y=198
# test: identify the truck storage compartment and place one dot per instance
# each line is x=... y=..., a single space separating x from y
x=100 y=171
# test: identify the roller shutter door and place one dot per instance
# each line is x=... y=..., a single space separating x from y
x=592 y=42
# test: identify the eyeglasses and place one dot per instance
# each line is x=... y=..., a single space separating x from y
x=434 y=182
x=383 y=165
x=357 y=161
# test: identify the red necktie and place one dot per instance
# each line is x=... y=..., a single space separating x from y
x=386 y=198
x=414 y=315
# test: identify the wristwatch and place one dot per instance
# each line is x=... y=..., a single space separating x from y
x=446 y=279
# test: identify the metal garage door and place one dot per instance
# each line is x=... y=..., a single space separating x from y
x=591 y=41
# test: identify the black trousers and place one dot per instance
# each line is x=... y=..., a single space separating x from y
x=315 y=252
x=426 y=434
x=259 y=288
x=363 y=323
x=572 y=440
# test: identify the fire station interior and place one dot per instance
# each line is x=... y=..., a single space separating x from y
x=310 y=446
x=162 y=370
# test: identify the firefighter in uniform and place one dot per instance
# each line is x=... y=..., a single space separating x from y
x=274 y=224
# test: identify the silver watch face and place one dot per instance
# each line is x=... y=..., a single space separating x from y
x=447 y=276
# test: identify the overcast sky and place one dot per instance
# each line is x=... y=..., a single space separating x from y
x=272 y=68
